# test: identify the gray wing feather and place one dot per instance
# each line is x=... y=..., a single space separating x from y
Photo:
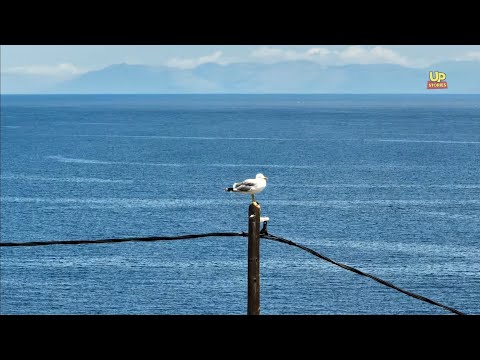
x=243 y=186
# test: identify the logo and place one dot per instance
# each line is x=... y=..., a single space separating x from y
x=437 y=80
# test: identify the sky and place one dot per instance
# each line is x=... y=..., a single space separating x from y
x=66 y=61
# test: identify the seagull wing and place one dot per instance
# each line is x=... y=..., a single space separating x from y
x=245 y=185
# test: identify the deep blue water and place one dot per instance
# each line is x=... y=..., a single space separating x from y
x=389 y=184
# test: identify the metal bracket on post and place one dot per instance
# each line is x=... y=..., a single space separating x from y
x=264 y=219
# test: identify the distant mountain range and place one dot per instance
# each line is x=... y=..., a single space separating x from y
x=283 y=77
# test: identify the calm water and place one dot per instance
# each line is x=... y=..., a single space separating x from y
x=388 y=184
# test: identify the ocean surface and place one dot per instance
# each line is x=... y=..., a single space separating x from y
x=389 y=184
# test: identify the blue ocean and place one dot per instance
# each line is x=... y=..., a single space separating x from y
x=389 y=184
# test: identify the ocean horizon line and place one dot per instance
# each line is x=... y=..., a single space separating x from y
x=234 y=94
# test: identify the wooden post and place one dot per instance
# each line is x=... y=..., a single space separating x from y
x=253 y=259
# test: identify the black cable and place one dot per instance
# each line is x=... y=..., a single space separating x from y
x=359 y=272
x=103 y=241
x=263 y=235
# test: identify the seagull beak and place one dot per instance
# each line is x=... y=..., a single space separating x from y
x=265 y=177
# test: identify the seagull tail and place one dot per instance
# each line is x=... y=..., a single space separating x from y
x=229 y=189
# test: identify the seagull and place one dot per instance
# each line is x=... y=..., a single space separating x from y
x=250 y=186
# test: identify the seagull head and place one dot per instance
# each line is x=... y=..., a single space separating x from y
x=261 y=176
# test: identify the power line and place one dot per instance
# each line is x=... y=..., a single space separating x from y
x=359 y=272
x=119 y=240
x=263 y=234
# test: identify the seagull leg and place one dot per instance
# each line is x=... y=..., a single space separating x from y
x=253 y=198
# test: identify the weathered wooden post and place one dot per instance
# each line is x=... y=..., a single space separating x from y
x=253 y=259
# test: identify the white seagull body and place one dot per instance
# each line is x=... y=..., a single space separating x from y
x=250 y=186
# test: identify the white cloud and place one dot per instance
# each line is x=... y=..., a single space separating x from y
x=275 y=54
x=349 y=55
x=185 y=63
x=375 y=55
x=60 y=70
x=318 y=51
x=472 y=55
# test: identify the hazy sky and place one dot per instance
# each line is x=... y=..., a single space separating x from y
x=70 y=60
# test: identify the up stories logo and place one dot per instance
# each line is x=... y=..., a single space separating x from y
x=437 y=80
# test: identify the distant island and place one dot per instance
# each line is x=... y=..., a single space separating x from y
x=255 y=78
